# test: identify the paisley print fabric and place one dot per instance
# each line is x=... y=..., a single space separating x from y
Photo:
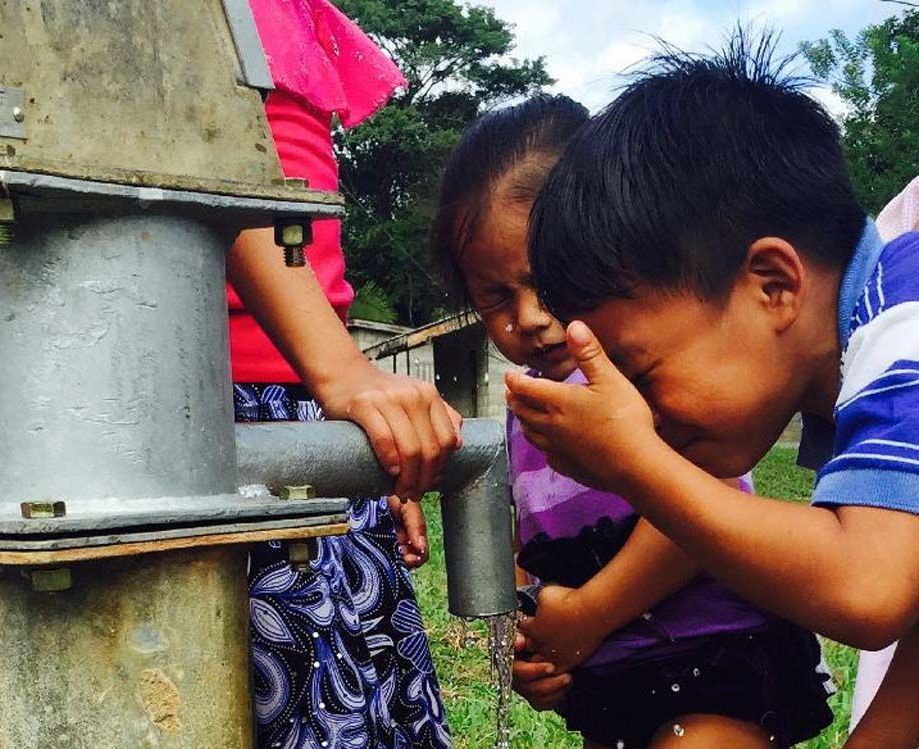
x=339 y=654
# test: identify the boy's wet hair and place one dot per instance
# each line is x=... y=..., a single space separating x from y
x=512 y=138
x=696 y=159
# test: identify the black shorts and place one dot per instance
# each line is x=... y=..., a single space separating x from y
x=771 y=678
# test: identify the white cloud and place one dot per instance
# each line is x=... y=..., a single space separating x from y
x=588 y=42
x=831 y=101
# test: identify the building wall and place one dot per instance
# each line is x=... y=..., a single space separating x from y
x=464 y=365
x=417 y=363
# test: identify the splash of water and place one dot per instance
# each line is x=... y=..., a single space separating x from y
x=502 y=629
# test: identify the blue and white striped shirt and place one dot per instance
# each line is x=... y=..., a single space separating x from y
x=875 y=452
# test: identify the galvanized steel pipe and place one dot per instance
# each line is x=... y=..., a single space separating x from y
x=115 y=383
x=336 y=459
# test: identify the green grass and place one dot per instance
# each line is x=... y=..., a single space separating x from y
x=462 y=666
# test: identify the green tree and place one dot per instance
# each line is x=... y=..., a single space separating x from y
x=877 y=75
x=457 y=61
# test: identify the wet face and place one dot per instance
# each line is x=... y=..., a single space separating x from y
x=497 y=274
x=721 y=379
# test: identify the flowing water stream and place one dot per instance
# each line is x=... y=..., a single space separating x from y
x=502 y=629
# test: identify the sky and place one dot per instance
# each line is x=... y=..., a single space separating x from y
x=587 y=42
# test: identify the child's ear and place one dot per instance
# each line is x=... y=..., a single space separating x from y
x=777 y=277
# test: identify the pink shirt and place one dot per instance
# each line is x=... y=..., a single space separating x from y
x=322 y=65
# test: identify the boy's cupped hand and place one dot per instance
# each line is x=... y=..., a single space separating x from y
x=536 y=680
x=589 y=432
x=564 y=630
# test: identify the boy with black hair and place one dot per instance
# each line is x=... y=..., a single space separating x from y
x=705 y=228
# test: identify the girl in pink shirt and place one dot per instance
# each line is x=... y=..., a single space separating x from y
x=339 y=652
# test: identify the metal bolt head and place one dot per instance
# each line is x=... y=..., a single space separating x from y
x=18 y=114
x=297 y=492
x=34 y=510
x=51 y=581
x=289 y=235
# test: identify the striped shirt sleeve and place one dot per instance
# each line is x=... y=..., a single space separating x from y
x=876 y=452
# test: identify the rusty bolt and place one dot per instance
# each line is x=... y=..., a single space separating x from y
x=35 y=510
x=50 y=580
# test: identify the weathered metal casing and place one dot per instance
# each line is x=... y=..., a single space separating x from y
x=145 y=652
x=115 y=364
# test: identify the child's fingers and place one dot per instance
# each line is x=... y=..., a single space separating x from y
x=416 y=402
x=378 y=431
x=456 y=418
x=549 y=686
x=550 y=699
x=529 y=417
x=527 y=671
x=589 y=354
x=416 y=529
x=395 y=510
x=447 y=430
x=408 y=446
x=530 y=628
x=539 y=394
x=412 y=561
x=544 y=693
x=536 y=437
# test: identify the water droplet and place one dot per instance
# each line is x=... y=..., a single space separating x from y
x=620 y=744
x=508 y=328
x=678 y=730
x=696 y=672
x=674 y=687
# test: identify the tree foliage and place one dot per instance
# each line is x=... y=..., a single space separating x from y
x=877 y=75
x=457 y=61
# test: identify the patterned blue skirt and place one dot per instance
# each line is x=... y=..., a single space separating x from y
x=340 y=657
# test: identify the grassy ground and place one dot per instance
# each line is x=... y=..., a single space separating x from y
x=462 y=664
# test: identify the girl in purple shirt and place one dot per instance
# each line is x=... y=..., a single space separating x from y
x=630 y=642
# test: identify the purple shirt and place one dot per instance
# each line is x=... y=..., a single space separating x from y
x=568 y=532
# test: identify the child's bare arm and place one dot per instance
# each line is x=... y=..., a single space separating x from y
x=892 y=720
x=648 y=569
x=570 y=623
x=411 y=429
x=852 y=574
